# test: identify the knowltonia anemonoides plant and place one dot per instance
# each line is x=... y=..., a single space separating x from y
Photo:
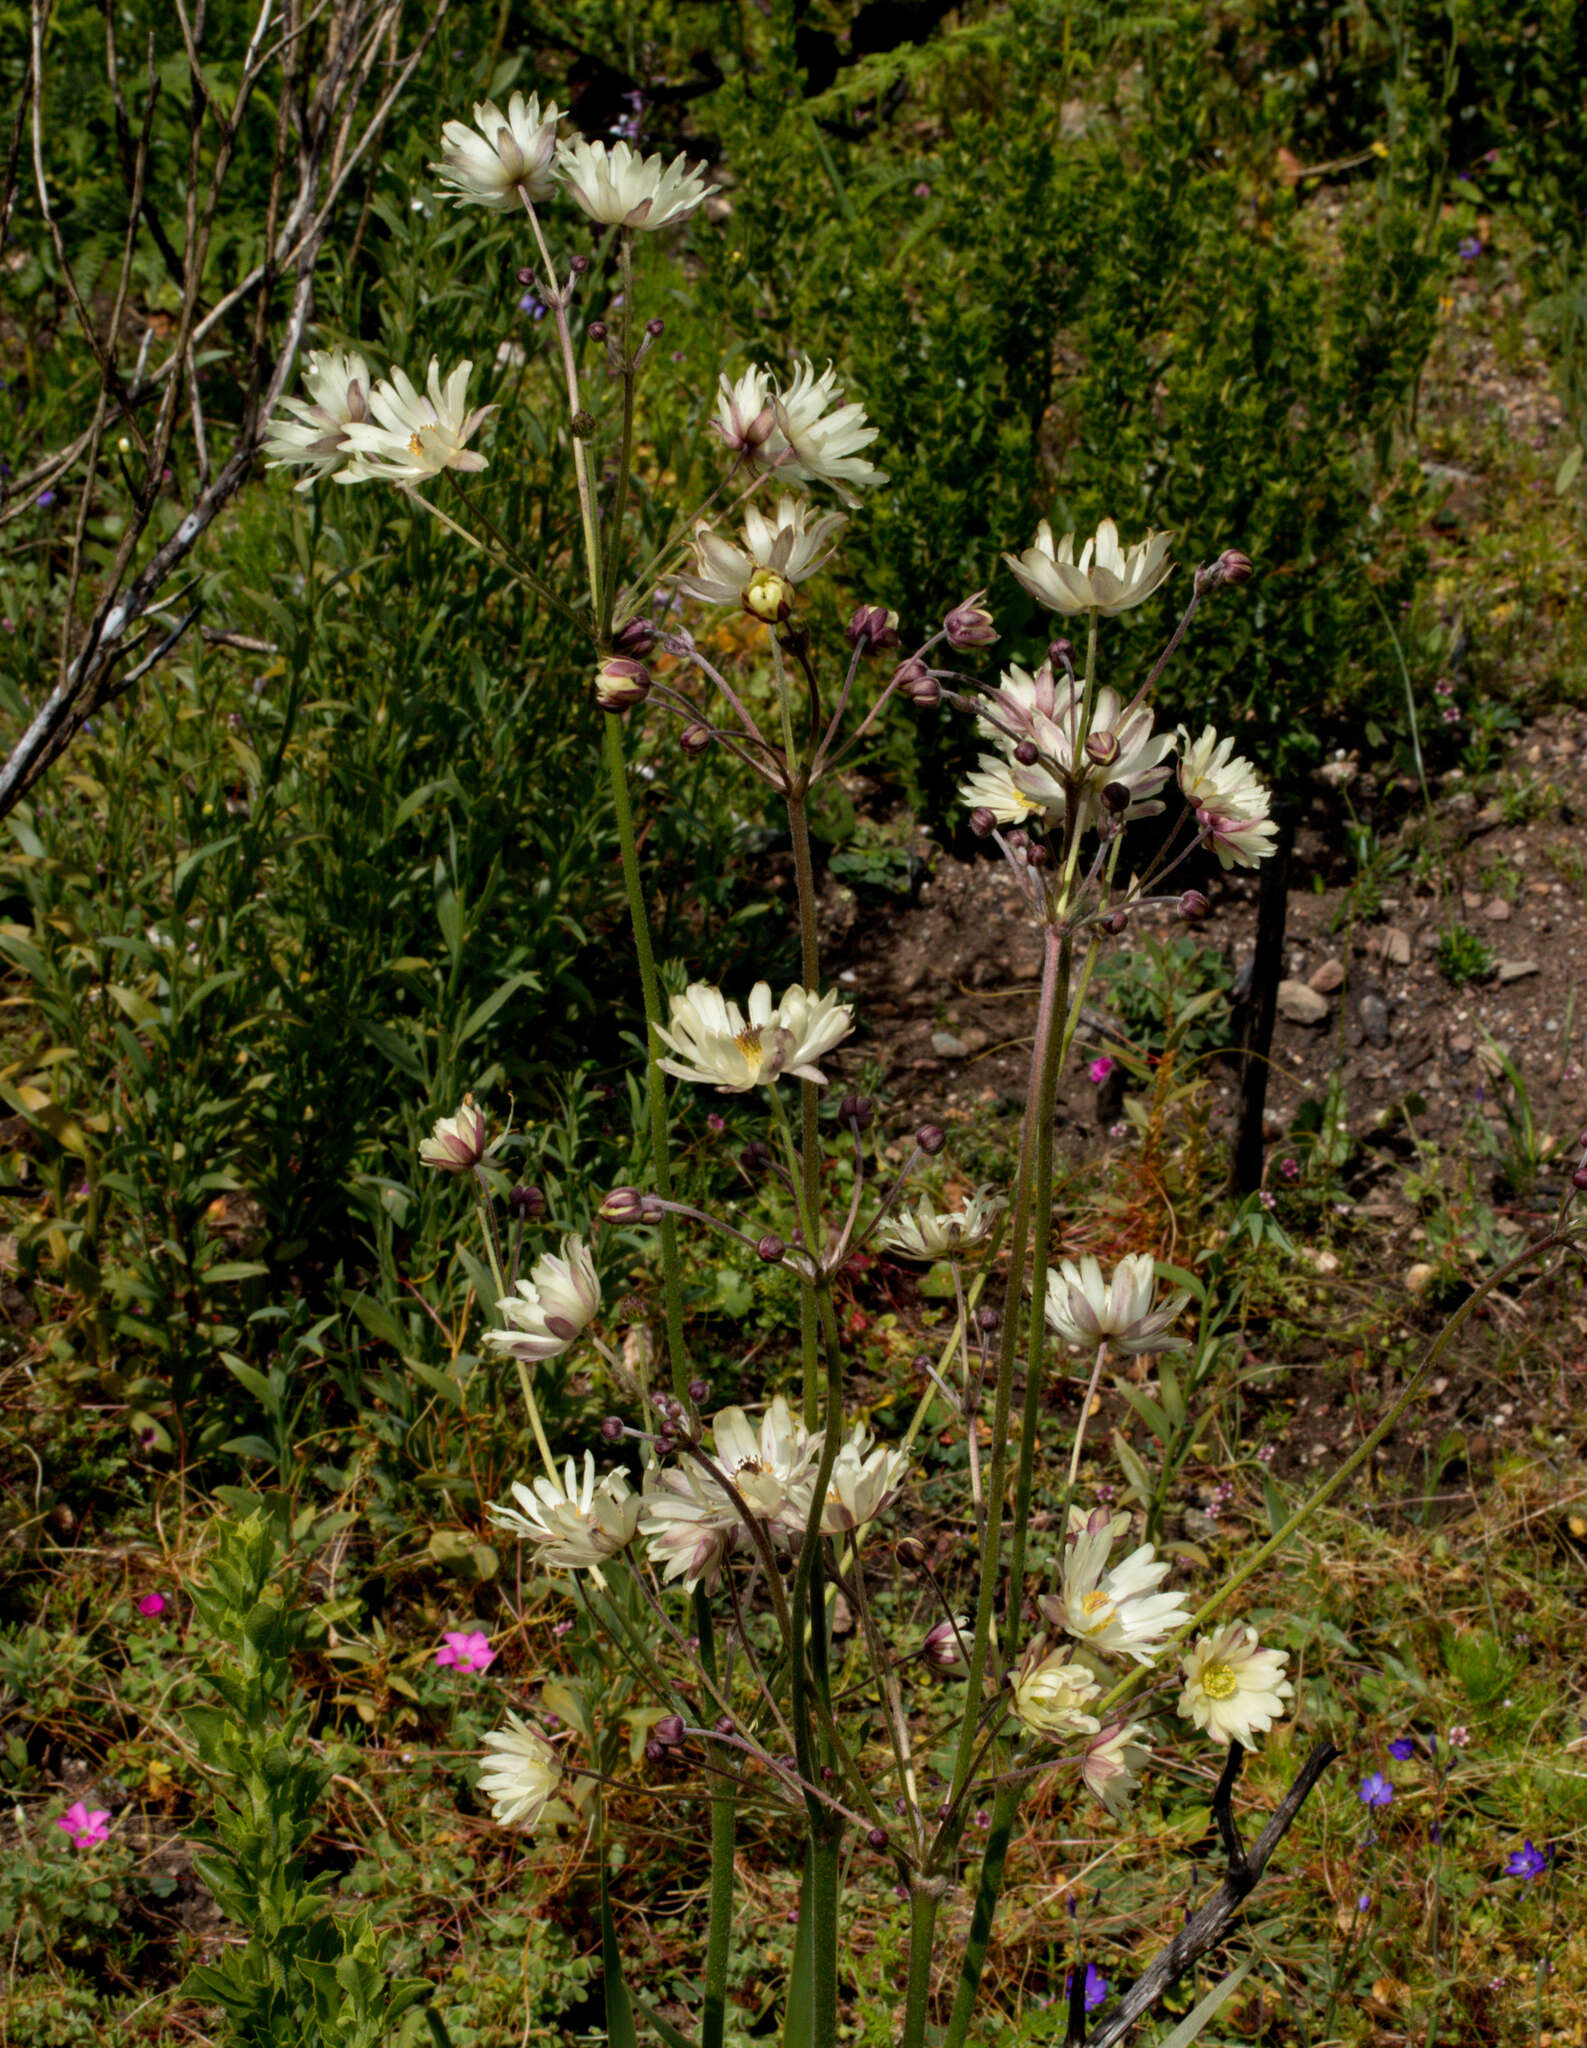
x=712 y=1552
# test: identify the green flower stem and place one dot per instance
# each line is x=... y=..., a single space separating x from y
x=809 y=1094
x=655 y=1096
x=724 y=1803
x=925 y=1896
x=570 y=370
x=625 y=458
x=1005 y=1806
x=826 y=1845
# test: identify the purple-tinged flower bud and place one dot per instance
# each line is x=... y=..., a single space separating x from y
x=756 y=1156
x=1035 y=856
x=769 y=597
x=1193 y=906
x=982 y=823
x=666 y=1443
x=970 y=624
x=654 y=1753
x=623 y=1205
x=621 y=684
x=636 y=639
x=612 y=1429
x=877 y=627
x=526 y=275
x=724 y=1724
x=1234 y=567
x=656 y=327
x=582 y=424
x=699 y=1390
x=1116 y=797
x=1116 y=924
x=914 y=680
x=694 y=739
x=910 y=1552
x=579 y=265
x=856 y=1109
x=771 y=1248
x=1102 y=747
x=931 y=1138
x=525 y=1203
x=668 y=1731
x=1027 y=753
x=987 y=1318
x=1579 y=1178
x=1061 y=653
x=943 y=1647
x=597 y=330
x=877 y=1838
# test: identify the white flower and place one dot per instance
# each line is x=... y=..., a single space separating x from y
x=1234 y=1690
x=933 y=1234
x=992 y=788
x=521 y=1779
x=337 y=383
x=1106 y=579
x=619 y=188
x=1039 y=708
x=545 y=1313
x=770 y=1467
x=414 y=436
x=718 y=1047
x=1051 y=1693
x=575 y=1525
x=1112 y=1762
x=864 y=1482
x=745 y=414
x=818 y=446
x=508 y=161
x=1117 y=1609
x=1229 y=798
x=457 y=1143
x=1085 y=1309
x=689 y=1525
x=784 y=542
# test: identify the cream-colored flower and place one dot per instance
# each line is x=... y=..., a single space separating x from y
x=767 y=1467
x=1123 y=751
x=787 y=541
x=575 y=1525
x=745 y=418
x=689 y=1525
x=818 y=445
x=511 y=159
x=1085 y=1309
x=618 y=187
x=414 y=435
x=992 y=788
x=1233 y=1689
x=864 y=1483
x=717 y=1046
x=931 y=1233
x=521 y=1778
x=459 y=1142
x=338 y=385
x=546 y=1314
x=1051 y=1692
x=1113 y=1762
x=1106 y=579
x=1115 y=1609
x=1229 y=798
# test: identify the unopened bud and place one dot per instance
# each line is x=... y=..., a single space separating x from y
x=636 y=639
x=668 y=1730
x=654 y=1753
x=970 y=624
x=877 y=1838
x=525 y=1202
x=987 y=1318
x=526 y=275
x=878 y=628
x=597 y=330
x=656 y=327
x=982 y=822
x=931 y=1138
x=1193 y=906
x=856 y=1109
x=579 y=265
x=756 y=1156
x=769 y=596
x=1027 y=753
x=910 y=1552
x=699 y=1390
x=1116 y=797
x=621 y=684
x=1035 y=856
x=1115 y=924
x=1102 y=747
x=1579 y=1178
x=582 y=424
x=914 y=680
x=724 y=1724
x=612 y=1429
x=623 y=1205
x=694 y=739
x=1230 y=567
x=1061 y=653
x=771 y=1248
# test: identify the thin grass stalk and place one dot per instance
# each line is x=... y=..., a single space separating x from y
x=809 y=1092
x=724 y=1818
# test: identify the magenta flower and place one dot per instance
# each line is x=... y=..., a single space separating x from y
x=152 y=1604
x=1100 y=1069
x=88 y=1829
x=466 y=1650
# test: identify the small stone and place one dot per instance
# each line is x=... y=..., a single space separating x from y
x=1462 y=1045
x=1517 y=970
x=1415 y=1279
x=1392 y=946
x=1300 y=1004
x=1497 y=911
x=946 y=1046
x=1325 y=979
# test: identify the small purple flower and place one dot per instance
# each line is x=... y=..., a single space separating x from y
x=45 y=498
x=1290 y=1168
x=1364 y=1903
x=534 y=307
x=1376 y=1791
x=1529 y=1862
x=1096 y=1986
x=1470 y=248
x=466 y=1650
x=1100 y=1069
x=1269 y=1199
x=1402 y=1747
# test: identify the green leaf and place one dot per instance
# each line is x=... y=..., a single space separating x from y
x=1139 y=1479
x=188 y=868
x=377 y=1319
x=673 y=2036
x=481 y=1014
x=1277 y=1512
x=235 y=1269
x=1193 y=2022
x=1568 y=471
x=1150 y=1413
x=620 y=2031
x=798 y=2026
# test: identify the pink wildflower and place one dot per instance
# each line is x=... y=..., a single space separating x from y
x=1100 y=1069
x=152 y=1604
x=86 y=1828
x=466 y=1650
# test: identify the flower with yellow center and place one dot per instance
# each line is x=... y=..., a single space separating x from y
x=1107 y=578
x=1233 y=1689
x=508 y=161
x=716 y=1045
x=414 y=435
x=314 y=431
x=1118 y=1608
x=1051 y=1693
x=779 y=548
